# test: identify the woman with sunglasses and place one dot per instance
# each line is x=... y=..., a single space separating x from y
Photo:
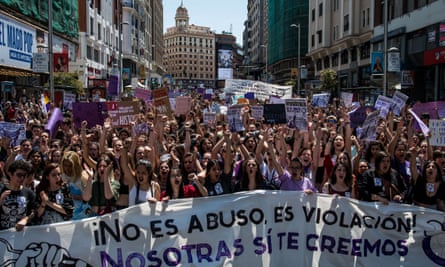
x=17 y=203
x=292 y=179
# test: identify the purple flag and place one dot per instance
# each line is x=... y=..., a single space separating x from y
x=54 y=120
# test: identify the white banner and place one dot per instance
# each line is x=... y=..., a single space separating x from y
x=437 y=128
x=258 y=228
x=262 y=90
x=296 y=113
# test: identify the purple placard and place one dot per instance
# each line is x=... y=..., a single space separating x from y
x=358 y=116
x=54 y=121
x=142 y=94
x=113 y=85
x=94 y=113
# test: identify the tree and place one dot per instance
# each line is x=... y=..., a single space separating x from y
x=329 y=82
x=68 y=79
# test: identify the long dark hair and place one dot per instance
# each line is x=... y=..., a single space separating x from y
x=169 y=187
x=44 y=184
x=210 y=165
x=439 y=170
x=348 y=177
x=244 y=183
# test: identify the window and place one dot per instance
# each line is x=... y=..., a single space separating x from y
x=320 y=36
x=320 y=9
x=326 y=62
x=363 y=18
x=335 y=33
x=92 y=26
x=335 y=60
x=346 y=23
x=99 y=31
x=312 y=40
x=344 y=57
x=313 y=14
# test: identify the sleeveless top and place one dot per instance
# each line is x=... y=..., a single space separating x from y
x=332 y=191
x=137 y=196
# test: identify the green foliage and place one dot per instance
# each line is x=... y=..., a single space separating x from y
x=328 y=79
x=68 y=79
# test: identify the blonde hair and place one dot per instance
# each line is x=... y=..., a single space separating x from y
x=74 y=159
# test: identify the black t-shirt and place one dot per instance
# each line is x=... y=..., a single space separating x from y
x=222 y=186
x=420 y=193
x=15 y=206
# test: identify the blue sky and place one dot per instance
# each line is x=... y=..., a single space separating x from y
x=218 y=15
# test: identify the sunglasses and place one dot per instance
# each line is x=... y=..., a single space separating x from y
x=251 y=165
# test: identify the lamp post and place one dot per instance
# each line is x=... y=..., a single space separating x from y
x=120 y=63
x=385 y=47
x=50 y=50
x=267 y=76
x=298 y=55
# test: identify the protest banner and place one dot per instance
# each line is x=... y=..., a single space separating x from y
x=320 y=100
x=161 y=102
x=368 y=130
x=437 y=128
x=234 y=116
x=275 y=100
x=358 y=115
x=398 y=100
x=257 y=112
x=383 y=104
x=258 y=228
x=262 y=90
x=209 y=118
x=125 y=113
x=346 y=98
x=68 y=100
x=142 y=94
x=13 y=131
x=296 y=113
x=274 y=113
x=183 y=105
x=420 y=124
x=94 y=113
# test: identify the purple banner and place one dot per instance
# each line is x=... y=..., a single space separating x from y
x=93 y=113
x=113 y=85
x=358 y=116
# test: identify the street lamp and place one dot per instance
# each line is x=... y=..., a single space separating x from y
x=265 y=46
x=385 y=47
x=121 y=80
x=298 y=54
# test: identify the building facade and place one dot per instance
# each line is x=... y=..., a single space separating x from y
x=190 y=53
x=339 y=39
x=24 y=41
x=349 y=37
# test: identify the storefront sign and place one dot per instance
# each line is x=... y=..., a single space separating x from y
x=17 y=43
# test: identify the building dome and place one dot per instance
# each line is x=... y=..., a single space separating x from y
x=181 y=12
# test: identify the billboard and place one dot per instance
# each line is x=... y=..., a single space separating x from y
x=225 y=63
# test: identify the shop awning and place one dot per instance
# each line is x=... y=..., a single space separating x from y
x=7 y=71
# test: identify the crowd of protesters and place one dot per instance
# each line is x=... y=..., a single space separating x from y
x=97 y=169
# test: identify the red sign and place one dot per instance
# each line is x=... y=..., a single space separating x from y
x=434 y=56
x=60 y=62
